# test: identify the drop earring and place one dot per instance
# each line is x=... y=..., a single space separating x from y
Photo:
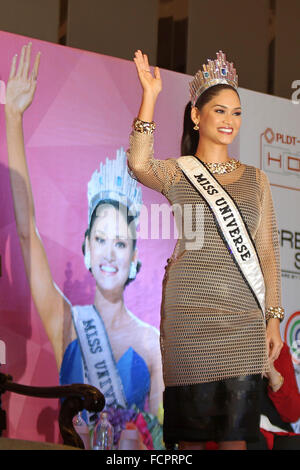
x=196 y=127
x=132 y=271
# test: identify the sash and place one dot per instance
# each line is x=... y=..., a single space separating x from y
x=230 y=224
x=98 y=360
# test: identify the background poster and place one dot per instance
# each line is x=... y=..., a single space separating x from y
x=82 y=113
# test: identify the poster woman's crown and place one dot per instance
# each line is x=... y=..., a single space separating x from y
x=113 y=182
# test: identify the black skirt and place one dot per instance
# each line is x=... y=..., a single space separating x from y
x=225 y=410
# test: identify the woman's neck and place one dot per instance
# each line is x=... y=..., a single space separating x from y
x=111 y=307
x=210 y=152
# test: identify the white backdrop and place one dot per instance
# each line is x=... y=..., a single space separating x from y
x=270 y=140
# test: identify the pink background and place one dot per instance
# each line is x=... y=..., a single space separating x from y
x=82 y=113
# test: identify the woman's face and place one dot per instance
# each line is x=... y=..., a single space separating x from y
x=220 y=119
x=111 y=248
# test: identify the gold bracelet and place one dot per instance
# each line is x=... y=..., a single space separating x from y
x=143 y=126
x=275 y=312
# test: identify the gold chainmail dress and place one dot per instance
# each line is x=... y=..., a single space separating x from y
x=211 y=326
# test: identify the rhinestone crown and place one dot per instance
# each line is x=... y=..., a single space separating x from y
x=114 y=182
x=216 y=72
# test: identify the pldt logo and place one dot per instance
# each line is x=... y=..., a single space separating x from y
x=2 y=352
x=2 y=92
x=280 y=155
x=280 y=138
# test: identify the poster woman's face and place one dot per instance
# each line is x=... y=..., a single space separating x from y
x=111 y=248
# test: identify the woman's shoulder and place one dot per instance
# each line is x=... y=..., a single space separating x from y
x=142 y=325
x=146 y=333
x=146 y=338
x=259 y=171
x=251 y=167
x=260 y=174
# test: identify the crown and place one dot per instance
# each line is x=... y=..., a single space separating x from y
x=113 y=182
x=216 y=72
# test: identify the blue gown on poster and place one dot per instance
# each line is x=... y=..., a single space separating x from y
x=132 y=369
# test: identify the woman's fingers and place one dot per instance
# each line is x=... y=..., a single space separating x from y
x=142 y=61
x=21 y=62
x=274 y=350
x=146 y=63
x=26 y=61
x=274 y=355
x=139 y=60
x=277 y=351
x=13 y=66
x=137 y=64
x=157 y=73
x=24 y=64
x=150 y=82
x=36 y=64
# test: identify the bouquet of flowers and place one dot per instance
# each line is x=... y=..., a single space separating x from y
x=147 y=424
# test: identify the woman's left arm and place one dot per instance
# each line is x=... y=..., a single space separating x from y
x=267 y=244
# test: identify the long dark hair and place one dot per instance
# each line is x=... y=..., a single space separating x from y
x=190 y=137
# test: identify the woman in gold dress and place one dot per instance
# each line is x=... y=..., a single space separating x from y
x=219 y=319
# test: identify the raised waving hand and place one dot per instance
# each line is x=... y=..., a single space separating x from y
x=22 y=83
x=151 y=84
